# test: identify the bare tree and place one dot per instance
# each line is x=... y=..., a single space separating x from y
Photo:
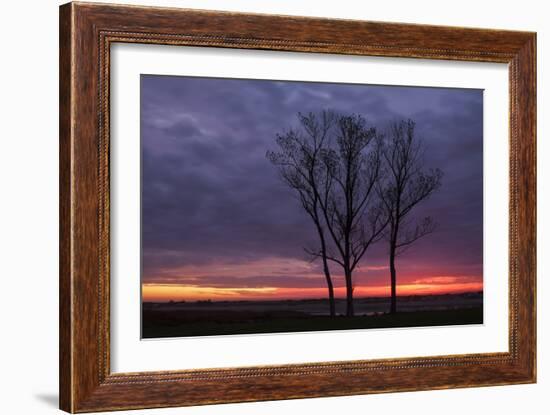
x=407 y=185
x=333 y=163
x=301 y=166
x=349 y=201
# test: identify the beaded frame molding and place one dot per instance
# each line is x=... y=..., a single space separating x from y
x=86 y=33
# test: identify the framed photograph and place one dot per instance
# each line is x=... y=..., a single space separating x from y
x=258 y=207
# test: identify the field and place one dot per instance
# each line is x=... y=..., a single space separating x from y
x=203 y=318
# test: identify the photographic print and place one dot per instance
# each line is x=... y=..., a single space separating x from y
x=273 y=206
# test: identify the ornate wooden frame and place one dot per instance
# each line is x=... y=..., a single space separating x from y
x=86 y=33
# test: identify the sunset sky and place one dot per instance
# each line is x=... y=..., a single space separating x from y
x=219 y=224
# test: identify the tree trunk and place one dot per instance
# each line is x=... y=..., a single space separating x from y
x=393 y=306
x=330 y=288
x=326 y=268
x=349 y=292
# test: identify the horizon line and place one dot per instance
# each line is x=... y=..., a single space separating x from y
x=309 y=299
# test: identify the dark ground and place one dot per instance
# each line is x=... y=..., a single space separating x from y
x=181 y=319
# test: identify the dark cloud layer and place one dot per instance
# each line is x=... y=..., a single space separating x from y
x=210 y=195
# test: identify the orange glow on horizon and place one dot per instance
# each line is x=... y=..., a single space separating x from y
x=237 y=281
x=177 y=292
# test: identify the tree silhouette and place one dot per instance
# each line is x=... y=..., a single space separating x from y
x=406 y=186
x=350 y=205
x=301 y=166
x=334 y=164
